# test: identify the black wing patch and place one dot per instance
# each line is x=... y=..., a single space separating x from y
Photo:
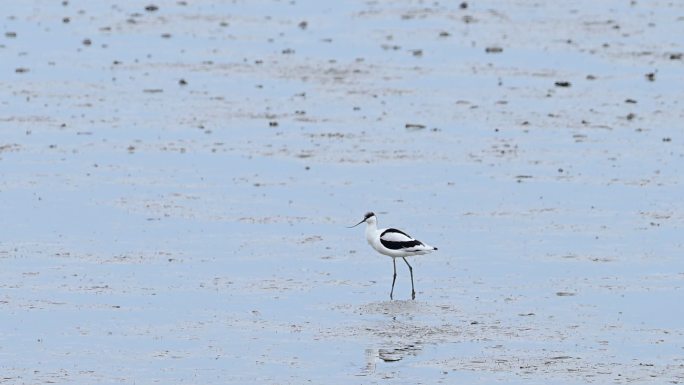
x=400 y=245
x=397 y=240
x=393 y=232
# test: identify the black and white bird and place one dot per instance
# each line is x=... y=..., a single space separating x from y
x=394 y=243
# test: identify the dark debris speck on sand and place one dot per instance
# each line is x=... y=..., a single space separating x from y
x=414 y=126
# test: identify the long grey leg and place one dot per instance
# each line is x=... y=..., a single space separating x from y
x=413 y=291
x=394 y=278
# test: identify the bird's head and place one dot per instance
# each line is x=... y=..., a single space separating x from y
x=369 y=218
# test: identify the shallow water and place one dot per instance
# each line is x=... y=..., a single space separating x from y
x=160 y=232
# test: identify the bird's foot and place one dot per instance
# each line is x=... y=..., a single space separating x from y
x=413 y=295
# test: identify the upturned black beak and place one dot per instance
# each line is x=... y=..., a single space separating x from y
x=363 y=220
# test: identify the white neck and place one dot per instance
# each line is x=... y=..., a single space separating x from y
x=371 y=229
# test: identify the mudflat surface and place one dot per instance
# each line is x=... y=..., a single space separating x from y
x=176 y=178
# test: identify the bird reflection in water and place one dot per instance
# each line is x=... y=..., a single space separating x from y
x=375 y=356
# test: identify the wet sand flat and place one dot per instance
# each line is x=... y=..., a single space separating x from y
x=176 y=178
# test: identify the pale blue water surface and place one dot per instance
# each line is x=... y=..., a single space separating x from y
x=155 y=232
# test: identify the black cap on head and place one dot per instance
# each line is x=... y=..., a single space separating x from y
x=365 y=218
